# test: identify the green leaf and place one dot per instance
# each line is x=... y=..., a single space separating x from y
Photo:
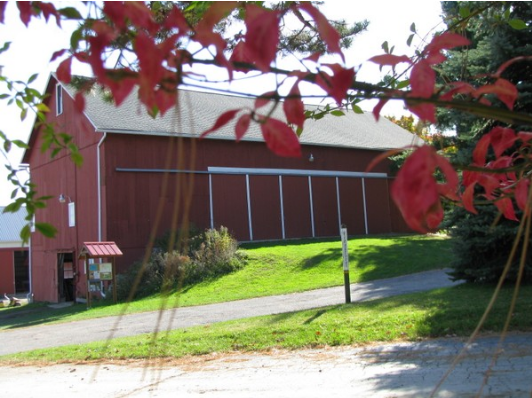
x=13 y=207
x=14 y=193
x=32 y=78
x=75 y=38
x=46 y=229
x=23 y=114
x=42 y=107
x=409 y=41
x=464 y=11
x=77 y=158
x=357 y=109
x=517 y=24
x=385 y=47
x=337 y=113
x=4 y=96
x=20 y=144
x=25 y=233
x=413 y=27
x=7 y=146
x=5 y=47
x=403 y=84
x=70 y=13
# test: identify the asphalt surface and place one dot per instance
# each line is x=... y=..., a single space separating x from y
x=80 y=332
x=486 y=368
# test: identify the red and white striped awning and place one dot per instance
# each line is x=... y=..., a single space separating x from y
x=100 y=249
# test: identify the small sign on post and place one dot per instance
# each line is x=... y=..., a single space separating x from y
x=345 y=255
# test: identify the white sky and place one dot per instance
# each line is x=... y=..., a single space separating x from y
x=32 y=47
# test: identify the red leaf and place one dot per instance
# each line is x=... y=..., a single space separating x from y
x=377 y=109
x=262 y=35
x=3 y=5
x=26 y=11
x=79 y=102
x=337 y=84
x=499 y=138
x=222 y=120
x=313 y=57
x=524 y=136
x=204 y=30
x=521 y=193
x=481 y=149
x=422 y=80
x=49 y=9
x=150 y=59
x=426 y=112
x=389 y=59
x=280 y=138
x=416 y=192
x=467 y=199
x=215 y=13
x=140 y=15
x=63 y=71
x=329 y=35
x=242 y=126
x=121 y=88
x=239 y=55
x=175 y=19
x=457 y=88
x=503 y=89
x=294 y=108
x=57 y=54
x=448 y=188
x=116 y=12
x=446 y=41
x=265 y=99
x=506 y=207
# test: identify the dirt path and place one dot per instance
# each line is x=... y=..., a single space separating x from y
x=387 y=370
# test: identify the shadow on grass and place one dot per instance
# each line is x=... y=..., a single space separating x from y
x=404 y=256
x=36 y=314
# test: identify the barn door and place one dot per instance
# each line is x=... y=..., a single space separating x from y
x=65 y=276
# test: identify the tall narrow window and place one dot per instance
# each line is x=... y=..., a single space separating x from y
x=58 y=99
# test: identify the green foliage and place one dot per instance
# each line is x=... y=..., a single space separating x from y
x=161 y=273
x=483 y=245
x=482 y=248
x=208 y=254
x=215 y=254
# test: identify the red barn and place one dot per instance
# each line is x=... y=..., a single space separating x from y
x=14 y=264
x=142 y=175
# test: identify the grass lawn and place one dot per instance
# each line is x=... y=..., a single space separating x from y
x=442 y=312
x=274 y=268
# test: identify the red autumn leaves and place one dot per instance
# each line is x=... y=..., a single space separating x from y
x=494 y=176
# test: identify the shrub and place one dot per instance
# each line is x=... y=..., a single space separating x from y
x=161 y=273
x=210 y=254
x=213 y=253
x=482 y=248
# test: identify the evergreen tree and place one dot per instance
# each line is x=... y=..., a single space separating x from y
x=499 y=31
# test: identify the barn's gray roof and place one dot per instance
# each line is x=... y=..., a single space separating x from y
x=198 y=111
x=11 y=225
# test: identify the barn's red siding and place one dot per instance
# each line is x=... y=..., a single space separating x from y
x=138 y=200
x=7 y=271
x=59 y=175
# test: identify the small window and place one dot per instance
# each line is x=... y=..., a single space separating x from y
x=58 y=99
x=71 y=214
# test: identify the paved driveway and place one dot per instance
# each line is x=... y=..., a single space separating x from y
x=79 y=332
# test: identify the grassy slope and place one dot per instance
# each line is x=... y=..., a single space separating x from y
x=277 y=268
x=442 y=312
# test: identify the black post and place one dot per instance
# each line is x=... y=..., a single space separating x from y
x=345 y=255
